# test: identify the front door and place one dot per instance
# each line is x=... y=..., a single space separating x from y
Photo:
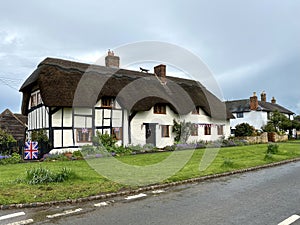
x=151 y=133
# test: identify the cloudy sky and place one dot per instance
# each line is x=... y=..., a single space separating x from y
x=249 y=45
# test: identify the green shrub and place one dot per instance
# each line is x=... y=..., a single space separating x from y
x=13 y=159
x=105 y=140
x=136 y=148
x=227 y=162
x=243 y=130
x=42 y=175
x=272 y=149
x=77 y=154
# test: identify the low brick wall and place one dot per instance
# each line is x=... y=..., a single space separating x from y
x=263 y=138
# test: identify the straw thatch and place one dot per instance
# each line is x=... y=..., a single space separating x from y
x=66 y=84
x=243 y=105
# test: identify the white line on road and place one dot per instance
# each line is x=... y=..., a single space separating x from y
x=101 y=204
x=290 y=220
x=12 y=215
x=64 y=213
x=158 y=191
x=135 y=196
x=22 y=222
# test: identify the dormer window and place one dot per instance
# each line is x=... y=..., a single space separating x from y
x=160 y=109
x=240 y=115
x=107 y=102
x=35 y=99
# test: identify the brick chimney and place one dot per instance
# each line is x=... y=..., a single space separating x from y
x=111 y=60
x=263 y=97
x=273 y=101
x=160 y=71
x=253 y=102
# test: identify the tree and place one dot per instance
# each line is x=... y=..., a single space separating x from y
x=6 y=140
x=279 y=123
x=243 y=130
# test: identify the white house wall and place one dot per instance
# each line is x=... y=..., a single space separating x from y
x=257 y=119
x=138 y=132
x=38 y=118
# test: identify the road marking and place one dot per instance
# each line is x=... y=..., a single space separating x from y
x=101 y=204
x=158 y=191
x=12 y=215
x=67 y=212
x=22 y=222
x=135 y=196
x=290 y=220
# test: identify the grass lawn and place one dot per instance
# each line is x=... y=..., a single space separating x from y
x=88 y=182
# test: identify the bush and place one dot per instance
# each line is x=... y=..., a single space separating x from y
x=243 y=130
x=272 y=149
x=104 y=140
x=42 y=138
x=6 y=142
x=54 y=157
x=43 y=176
x=13 y=159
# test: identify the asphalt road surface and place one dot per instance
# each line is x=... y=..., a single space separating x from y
x=269 y=196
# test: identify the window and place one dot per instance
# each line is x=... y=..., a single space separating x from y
x=160 y=109
x=39 y=98
x=165 y=131
x=207 y=130
x=220 y=129
x=84 y=135
x=107 y=102
x=196 y=110
x=33 y=100
x=117 y=133
x=240 y=115
x=194 y=129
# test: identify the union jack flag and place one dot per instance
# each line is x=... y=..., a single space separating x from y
x=31 y=150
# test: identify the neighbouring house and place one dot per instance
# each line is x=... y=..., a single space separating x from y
x=73 y=100
x=14 y=124
x=255 y=112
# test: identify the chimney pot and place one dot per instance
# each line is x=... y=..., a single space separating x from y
x=273 y=101
x=111 y=60
x=263 y=97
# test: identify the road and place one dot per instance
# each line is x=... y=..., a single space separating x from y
x=264 y=197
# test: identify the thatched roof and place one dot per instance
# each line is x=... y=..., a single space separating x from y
x=243 y=105
x=65 y=84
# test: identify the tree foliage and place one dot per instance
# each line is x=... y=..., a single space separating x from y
x=182 y=131
x=244 y=129
x=280 y=123
x=6 y=140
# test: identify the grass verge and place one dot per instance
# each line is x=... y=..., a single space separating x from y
x=87 y=182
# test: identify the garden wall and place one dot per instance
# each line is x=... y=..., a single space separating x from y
x=274 y=137
x=263 y=138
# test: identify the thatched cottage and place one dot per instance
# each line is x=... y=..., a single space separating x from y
x=73 y=100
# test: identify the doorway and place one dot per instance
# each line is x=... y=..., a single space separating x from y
x=151 y=133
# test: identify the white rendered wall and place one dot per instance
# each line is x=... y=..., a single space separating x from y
x=138 y=132
x=257 y=119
